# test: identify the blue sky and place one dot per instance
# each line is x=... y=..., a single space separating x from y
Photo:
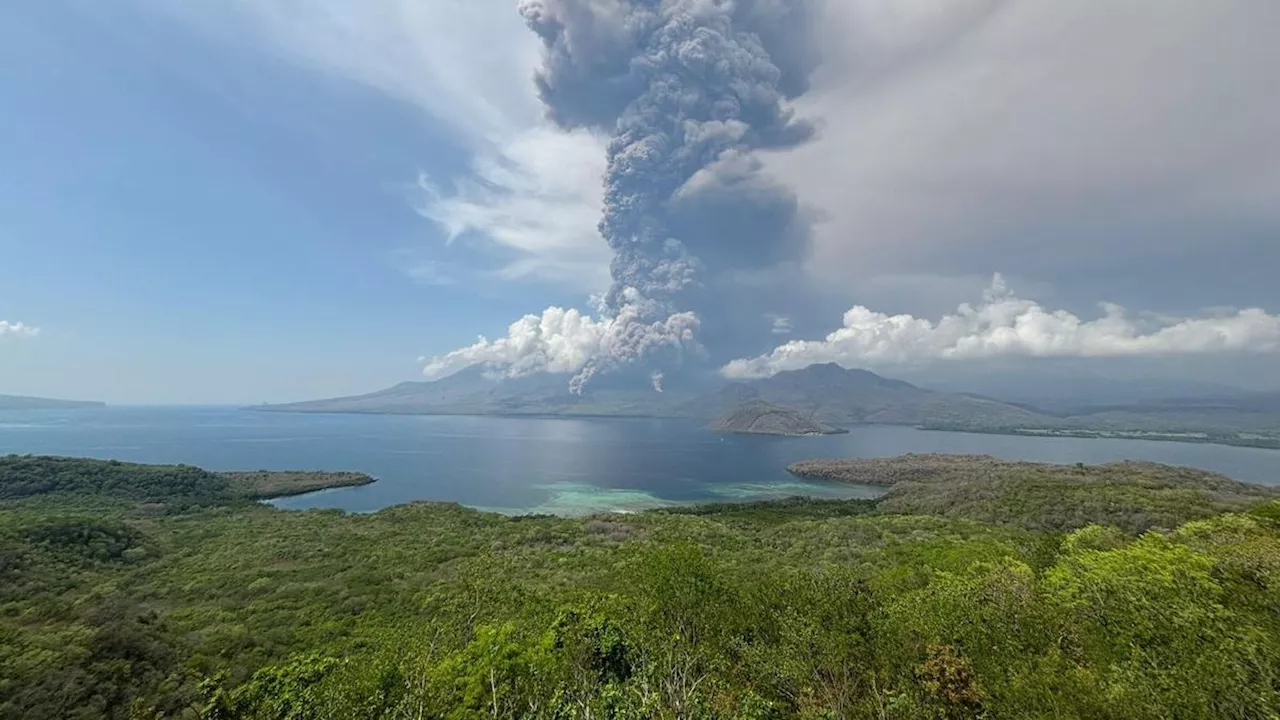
x=189 y=216
x=285 y=199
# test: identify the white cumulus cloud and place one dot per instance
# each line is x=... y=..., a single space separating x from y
x=1006 y=325
x=17 y=330
x=567 y=341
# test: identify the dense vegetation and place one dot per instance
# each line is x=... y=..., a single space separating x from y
x=221 y=608
x=1133 y=496
x=261 y=484
x=159 y=488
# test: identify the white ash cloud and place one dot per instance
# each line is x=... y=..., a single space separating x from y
x=1004 y=325
x=567 y=341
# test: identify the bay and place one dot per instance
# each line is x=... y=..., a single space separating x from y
x=542 y=465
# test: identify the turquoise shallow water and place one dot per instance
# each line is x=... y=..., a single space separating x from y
x=560 y=466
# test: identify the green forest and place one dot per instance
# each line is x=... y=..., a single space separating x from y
x=973 y=589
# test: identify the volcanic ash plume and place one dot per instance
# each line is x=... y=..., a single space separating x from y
x=688 y=89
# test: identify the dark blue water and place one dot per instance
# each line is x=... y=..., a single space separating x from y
x=565 y=466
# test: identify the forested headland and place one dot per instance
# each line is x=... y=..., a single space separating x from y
x=973 y=589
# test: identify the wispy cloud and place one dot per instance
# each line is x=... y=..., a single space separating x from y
x=779 y=324
x=538 y=196
x=17 y=330
x=961 y=134
x=432 y=272
x=1006 y=325
x=466 y=62
x=533 y=193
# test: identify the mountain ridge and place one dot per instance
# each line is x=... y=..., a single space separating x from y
x=839 y=396
x=25 y=402
x=827 y=393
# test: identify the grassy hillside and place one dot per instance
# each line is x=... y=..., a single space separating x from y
x=757 y=417
x=265 y=484
x=1134 y=496
x=167 y=488
x=797 y=609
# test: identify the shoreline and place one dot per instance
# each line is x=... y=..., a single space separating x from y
x=1189 y=438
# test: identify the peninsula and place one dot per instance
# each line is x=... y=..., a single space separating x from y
x=267 y=484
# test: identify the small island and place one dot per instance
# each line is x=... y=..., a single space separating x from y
x=758 y=417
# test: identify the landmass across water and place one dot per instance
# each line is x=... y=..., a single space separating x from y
x=828 y=395
x=22 y=402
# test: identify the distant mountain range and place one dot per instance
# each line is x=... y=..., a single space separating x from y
x=826 y=393
x=834 y=395
x=471 y=392
x=20 y=402
x=829 y=395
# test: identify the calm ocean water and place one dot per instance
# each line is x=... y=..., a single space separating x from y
x=565 y=466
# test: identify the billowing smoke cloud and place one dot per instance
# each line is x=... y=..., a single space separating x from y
x=688 y=90
x=17 y=330
x=566 y=341
x=1005 y=325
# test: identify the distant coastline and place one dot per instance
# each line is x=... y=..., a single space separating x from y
x=24 y=402
x=1263 y=441
x=818 y=399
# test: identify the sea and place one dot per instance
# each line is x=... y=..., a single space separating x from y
x=557 y=466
